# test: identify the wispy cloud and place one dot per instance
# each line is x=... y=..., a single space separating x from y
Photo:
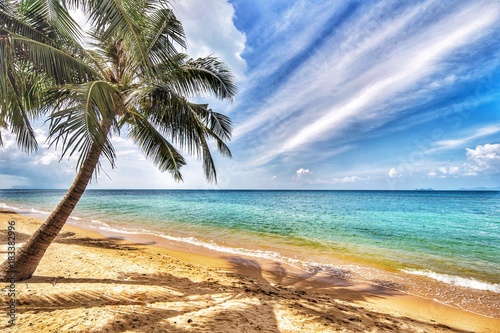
x=460 y=142
x=366 y=84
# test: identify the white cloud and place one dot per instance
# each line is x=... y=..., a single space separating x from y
x=485 y=158
x=393 y=173
x=36 y=170
x=126 y=149
x=47 y=158
x=345 y=180
x=454 y=170
x=302 y=172
x=210 y=30
x=446 y=171
x=12 y=181
x=339 y=180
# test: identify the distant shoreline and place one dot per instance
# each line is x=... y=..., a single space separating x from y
x=271 y=190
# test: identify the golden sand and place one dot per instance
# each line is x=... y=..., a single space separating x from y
x=89 y=283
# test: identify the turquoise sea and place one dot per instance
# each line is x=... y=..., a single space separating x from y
x=449 y=236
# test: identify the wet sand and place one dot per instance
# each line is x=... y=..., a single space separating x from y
x=89 y=283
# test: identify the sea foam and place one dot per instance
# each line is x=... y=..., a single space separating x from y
x=7 y=207
x=36 y=211
x=211 y=245
x=456 y=280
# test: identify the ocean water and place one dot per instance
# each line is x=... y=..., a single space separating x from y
x=452 y=237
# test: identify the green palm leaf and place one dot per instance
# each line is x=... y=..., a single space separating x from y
x=58 y=65
x=84 y=109
x=50 y=17
x=15 y=97
x=9 y=23
x=203 y=76
x=187 y=125
x=154 y=146
x=163 y=32
x=124 y=18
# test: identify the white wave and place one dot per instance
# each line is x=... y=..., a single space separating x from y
x=100 y=223
x=271 y=255
x=456 y=280
x=5 y=206
x=342 y=272
x=225 y=249
x=75 y=218
x=24 y=210
x=36 y=211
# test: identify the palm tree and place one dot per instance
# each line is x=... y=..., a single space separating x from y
x=32 y=24
x=131 y=79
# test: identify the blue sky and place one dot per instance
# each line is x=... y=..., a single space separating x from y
x=333 y=95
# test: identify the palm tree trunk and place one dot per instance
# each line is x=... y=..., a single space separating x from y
x=30 y=254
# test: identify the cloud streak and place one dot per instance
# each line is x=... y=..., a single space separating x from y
x=459 y=142
x=367 y=83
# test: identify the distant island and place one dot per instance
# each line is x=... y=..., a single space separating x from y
x=480 y=189
x=462 y=189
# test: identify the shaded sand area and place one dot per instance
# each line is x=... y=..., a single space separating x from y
x=88 y=283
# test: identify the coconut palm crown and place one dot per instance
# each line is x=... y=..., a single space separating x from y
x=128 y=78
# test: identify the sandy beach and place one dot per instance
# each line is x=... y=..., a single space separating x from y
x=89 y=283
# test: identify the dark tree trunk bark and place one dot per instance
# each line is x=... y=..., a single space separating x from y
x=30 y=254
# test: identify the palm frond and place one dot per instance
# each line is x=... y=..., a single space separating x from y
x=203 y=132
x=20 y=126
x=203 y=76
x=80 y=122
x=62 y=67
x=163 y=32
x=63 y=22
x=15 y=95
x=4 y=5
x=51 y=18
x=221 y=125
x=124 y=18
x=155 y=146
x=169 y=113
x=214 y=125
x=9 y=23
x=187 y=125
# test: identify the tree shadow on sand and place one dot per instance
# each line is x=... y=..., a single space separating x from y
x=107 y=243
x=69 y=238
x=174 y=304
x=252 y=300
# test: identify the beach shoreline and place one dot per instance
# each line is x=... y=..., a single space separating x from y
x=350 y=267
x=89 y=283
